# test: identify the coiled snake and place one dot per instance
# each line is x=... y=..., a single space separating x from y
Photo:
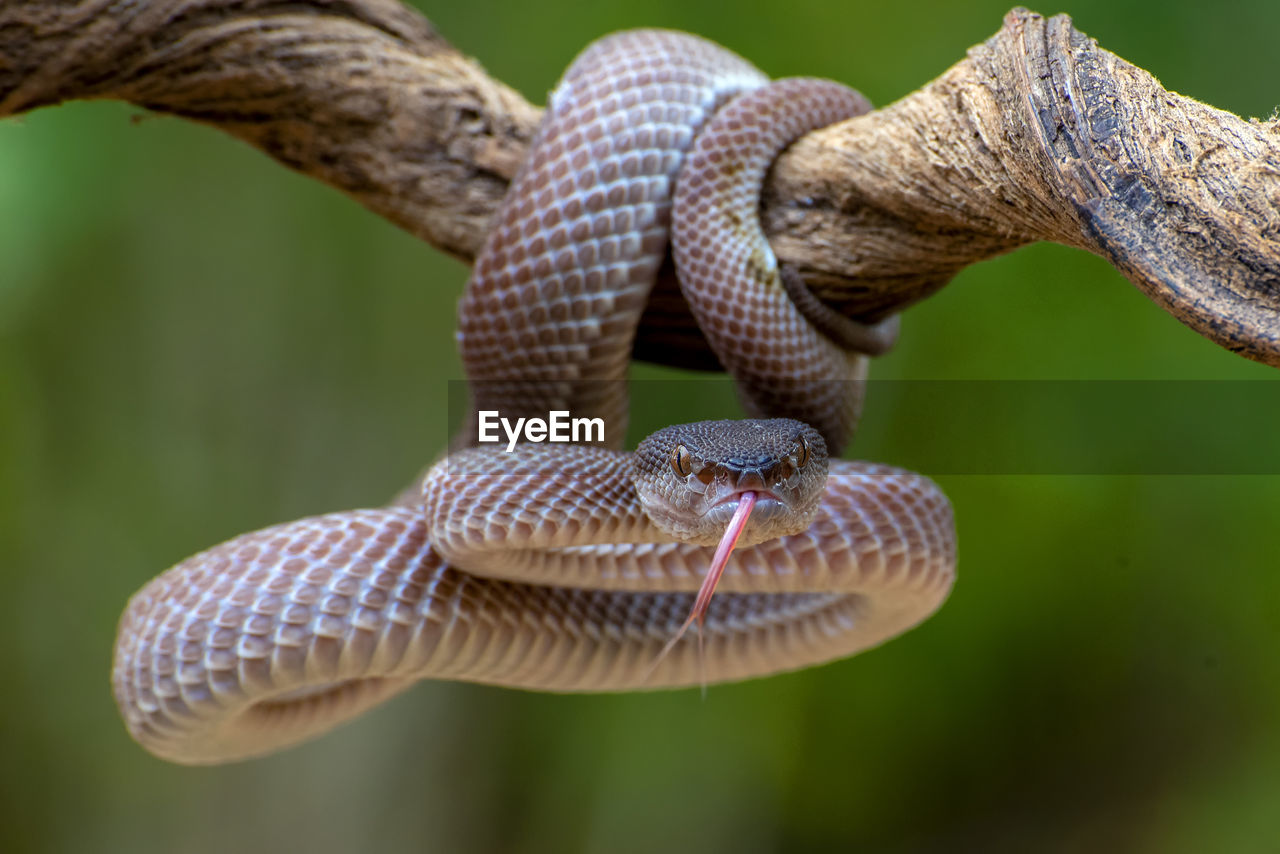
x=551 y=567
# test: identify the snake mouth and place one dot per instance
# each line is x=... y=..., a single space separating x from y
x=764 y=498
x=768 y=505
x=770 y=511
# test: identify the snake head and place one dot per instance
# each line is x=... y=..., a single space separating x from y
x=690 y=476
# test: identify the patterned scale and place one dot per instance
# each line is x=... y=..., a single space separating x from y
x=549 y=315
x=278 y=635
x=730 y=276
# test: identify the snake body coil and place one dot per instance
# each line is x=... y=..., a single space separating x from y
x=543 y=568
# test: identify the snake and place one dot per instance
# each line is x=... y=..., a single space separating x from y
x=575 y=567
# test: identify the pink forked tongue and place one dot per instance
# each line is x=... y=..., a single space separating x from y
x=746 y=501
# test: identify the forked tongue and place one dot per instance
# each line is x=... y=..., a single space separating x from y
x=746 y=501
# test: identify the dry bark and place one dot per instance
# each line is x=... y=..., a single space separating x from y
x=1038 y=134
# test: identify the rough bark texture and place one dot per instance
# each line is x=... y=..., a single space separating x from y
x=1038 y=134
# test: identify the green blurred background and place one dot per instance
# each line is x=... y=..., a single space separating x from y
x=195 y=342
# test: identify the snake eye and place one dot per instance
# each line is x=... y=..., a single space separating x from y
x=802 y=452
x=682 y=461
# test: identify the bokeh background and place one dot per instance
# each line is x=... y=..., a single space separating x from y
x=195 y=342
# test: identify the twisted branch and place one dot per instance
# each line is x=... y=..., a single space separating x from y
x=1038 y=134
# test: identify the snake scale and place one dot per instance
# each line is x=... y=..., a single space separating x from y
x=544 y=568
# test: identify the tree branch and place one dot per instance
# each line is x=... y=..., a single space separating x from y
x=1037 y=135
